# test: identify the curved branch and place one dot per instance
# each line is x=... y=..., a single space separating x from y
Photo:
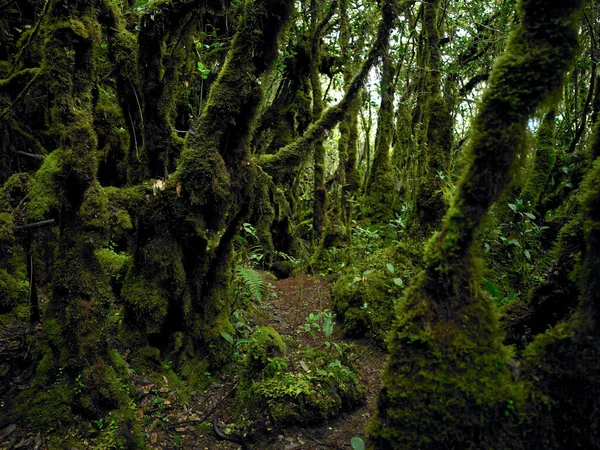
x=292 y=155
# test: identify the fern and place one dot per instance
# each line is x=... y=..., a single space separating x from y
x=252 y=283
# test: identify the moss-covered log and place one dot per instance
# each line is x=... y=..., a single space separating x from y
x=447 y=383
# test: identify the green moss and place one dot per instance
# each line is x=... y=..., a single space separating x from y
x=12 y=291
x=93 y=210
x=146 y=302
x=265 y=343
x=7 y=228
x=42 y=408
x=115 y=264
x=545 y=157
x=563 y=367
x=44 y=189
x=447 y=383
x=307 y=395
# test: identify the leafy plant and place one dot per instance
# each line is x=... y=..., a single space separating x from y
x=249 y=285
x=322 y=321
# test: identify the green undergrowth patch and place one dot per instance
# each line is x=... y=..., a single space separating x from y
x=308 y=387
x=290 y=388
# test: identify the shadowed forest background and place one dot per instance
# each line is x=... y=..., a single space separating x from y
x=167 y=165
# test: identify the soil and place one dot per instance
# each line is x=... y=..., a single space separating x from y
x=169 y=423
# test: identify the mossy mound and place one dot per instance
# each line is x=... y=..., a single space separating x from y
x=309 y=387
x=265 y=343
x=365 y=295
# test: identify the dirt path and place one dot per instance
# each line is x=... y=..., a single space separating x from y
x=170 y=424
x=296 y=298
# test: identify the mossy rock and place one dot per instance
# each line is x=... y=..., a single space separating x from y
x=282 y=269
x=265 y=343
x=319 y=389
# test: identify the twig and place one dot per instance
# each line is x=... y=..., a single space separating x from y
x=32 y=226
x=31 y=155
x=324 y=443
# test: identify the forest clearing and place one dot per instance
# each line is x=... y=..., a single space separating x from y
x=277 y=224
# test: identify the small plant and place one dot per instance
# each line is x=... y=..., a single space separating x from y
x=322 y=321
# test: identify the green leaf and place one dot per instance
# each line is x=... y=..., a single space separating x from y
x=13 y=11
x=491 y=288
x=357 y=443
x=513 y=207
x=514 y=242
x=227 y=337
x=390 y=268
x=138 y=5
x=527 y=254
x=398 y=282
x=531 y=216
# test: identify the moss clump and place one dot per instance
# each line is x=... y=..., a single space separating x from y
x=145 y=302
x=41 y=408
x=94 y=209
x=12 y=291
x=44 y=188
x=317 y=392
x=265 y=343
x=115 y=264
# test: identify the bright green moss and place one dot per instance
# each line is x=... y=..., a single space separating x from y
x=7 y=229
x=44 y=188
x=265 y=343
x=115 y=264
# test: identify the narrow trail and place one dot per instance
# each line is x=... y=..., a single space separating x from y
x=295 y=299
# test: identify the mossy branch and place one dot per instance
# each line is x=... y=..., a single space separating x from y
x=288 y=158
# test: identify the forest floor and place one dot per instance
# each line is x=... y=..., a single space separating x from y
x=170 y=423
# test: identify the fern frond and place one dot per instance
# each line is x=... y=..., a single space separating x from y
x=252 y=282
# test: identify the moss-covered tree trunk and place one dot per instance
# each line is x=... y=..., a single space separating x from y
x=434 y=116
x=447 y=383
x=178 y=288
x=545 y=157
x=379 y=188
x=348 y=143
x=320 y=200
